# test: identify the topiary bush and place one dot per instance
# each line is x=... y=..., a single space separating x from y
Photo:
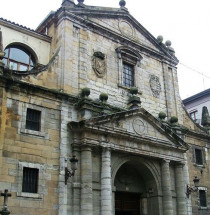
x=173 y=119
x=133 y=90
x=85 y=92
x=162 y=115
x=103 y=97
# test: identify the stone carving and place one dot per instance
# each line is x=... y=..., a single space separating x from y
x=205 y=121
x=126 y=29
x=155 y=85
x=99 y=64
x=138 y=126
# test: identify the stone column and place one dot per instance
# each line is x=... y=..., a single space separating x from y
x=76 y=192
x=106 y=183
x=166 y=188
x=180 y=190
x=86 y=181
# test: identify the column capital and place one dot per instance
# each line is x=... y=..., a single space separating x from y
x=180 y=164
x=86 y=148
x=165 y=161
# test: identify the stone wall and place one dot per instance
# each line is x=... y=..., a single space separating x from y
x=25 y=148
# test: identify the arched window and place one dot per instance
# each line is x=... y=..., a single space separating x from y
x=18 y=58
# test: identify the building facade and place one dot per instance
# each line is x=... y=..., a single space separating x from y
x=194 y=105
x=94 y=83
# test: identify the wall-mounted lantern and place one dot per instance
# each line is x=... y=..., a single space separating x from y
x=70 y=173
x=193 y=189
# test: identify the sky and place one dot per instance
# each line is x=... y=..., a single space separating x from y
x=185 y=22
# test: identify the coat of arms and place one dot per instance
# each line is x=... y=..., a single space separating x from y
x=99 y=64
x=155 y=85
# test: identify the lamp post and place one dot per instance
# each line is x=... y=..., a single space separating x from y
x=189 y=189
x=70 y=173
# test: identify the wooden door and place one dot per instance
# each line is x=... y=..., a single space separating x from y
x=127 y=203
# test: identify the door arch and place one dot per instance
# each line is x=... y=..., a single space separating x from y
x=136 y=188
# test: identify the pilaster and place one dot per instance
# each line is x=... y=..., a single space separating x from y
x=166 y=188
x=106 y=185
x=86 y=181
x=180 y=191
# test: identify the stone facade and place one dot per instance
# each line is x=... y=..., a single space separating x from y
x=130 y=160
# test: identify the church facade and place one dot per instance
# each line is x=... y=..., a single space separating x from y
x=92 y=82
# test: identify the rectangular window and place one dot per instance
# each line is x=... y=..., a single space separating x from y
x=33 y=120
x=202 y=198
x=30 y=180
x=194 y=115
x=198 y=156
x=128 y=75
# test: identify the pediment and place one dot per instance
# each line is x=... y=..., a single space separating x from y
x=121 y=23
x=125 y=28
x=138 y=125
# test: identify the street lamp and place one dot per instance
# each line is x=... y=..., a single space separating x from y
x=193 y=189
x=70 y=173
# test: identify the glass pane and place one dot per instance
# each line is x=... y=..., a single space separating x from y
x=6 y=51
x=19 y=55
x=13 y=65
x=5 y=62
x=23 y=67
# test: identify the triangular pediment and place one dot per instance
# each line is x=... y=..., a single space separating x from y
x=125 y=28
x=119 y=22
x=138 y=125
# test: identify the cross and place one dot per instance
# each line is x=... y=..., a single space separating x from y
x=6 y=195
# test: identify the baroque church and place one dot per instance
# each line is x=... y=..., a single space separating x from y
x=91 y=120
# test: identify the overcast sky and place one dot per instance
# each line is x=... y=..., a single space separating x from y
x=185 y=22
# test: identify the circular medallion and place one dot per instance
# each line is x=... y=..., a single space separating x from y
x=126 y=29
x=155 y=85
x=138 y=126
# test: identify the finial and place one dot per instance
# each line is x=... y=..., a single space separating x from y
x=160 y=38
x=122 y=3
x=81 y=1
x=168 y=43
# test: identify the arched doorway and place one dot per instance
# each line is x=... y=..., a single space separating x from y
x=136 y=190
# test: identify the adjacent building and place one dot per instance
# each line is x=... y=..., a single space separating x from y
x=194 y=104
x=92 y=82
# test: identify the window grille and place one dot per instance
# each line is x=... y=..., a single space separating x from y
x=128 y=75
x=33 y=119
x=198 y=157
x=30 y=180
x=202 y=198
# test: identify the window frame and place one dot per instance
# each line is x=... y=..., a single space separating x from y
x=193 y=150
x=27 y=51
x=30 y=122
x=127 y=55
x=198 y=160
x=132 y=75
x=22 y=129
x=41 y=180
x=25 y=187
x=203 y=189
